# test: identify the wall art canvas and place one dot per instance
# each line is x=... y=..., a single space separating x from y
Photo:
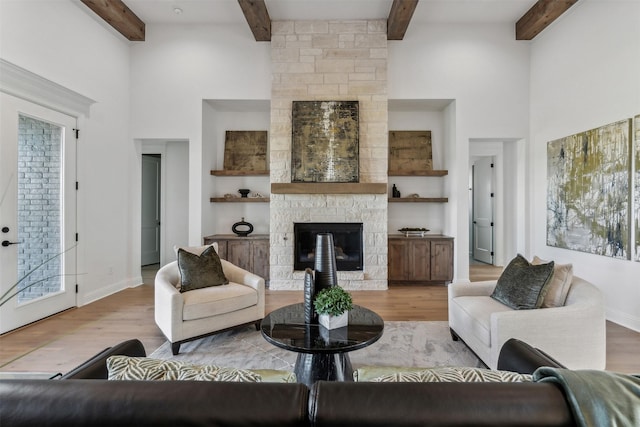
x=588 y=194
x=636 y=188
x=245 y=150
x=410 y=150
x=324 y=146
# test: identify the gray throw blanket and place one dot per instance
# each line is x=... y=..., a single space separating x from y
x=597 y=398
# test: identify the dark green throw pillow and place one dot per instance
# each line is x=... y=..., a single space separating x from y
x=523 y=285
x=200 y=271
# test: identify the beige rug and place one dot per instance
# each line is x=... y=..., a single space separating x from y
x=422 y=344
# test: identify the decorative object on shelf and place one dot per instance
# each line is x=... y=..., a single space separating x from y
x=310 y=315
x=410 y=150
x=230 y=196
x=244 y=192
x=325 y=262
x=333 y=305
x=243 y=223
x=245 y=150
x=395 y=193
x=413 y=232
x=414 y=196
x=324 y=146
x=257 y=195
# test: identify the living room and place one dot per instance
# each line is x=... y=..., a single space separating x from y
x=522 y=94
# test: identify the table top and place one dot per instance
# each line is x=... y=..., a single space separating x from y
x=285 y=328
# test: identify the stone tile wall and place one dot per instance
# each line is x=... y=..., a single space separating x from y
x=330 y=60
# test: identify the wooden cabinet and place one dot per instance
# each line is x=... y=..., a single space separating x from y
x=426 y=259
x=250 y=252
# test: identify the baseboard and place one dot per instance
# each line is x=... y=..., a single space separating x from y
x=623 y=319
x=111 y=289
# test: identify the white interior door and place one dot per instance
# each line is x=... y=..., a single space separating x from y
x=150 y=238
x=483 y=210
x=37 y=212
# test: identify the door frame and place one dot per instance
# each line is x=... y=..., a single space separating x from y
x=492 y=185
x=160 y=148
x=495 y=149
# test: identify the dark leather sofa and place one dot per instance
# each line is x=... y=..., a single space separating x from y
x=83 y=397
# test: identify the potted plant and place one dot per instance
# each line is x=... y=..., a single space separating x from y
x=332 y=305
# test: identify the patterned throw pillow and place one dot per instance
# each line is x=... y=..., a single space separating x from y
x=521 y=285
x=200 y=271
x=448 y=375
x=558 y=285
x=144 y=368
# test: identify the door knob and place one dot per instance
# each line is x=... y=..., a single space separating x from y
x=6 y=243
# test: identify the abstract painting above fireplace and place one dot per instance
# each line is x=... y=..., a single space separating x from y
x=347 y=239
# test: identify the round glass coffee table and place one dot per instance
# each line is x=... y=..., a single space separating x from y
x=322 y=352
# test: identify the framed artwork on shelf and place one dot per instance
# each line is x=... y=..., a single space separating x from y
x=636 y=156
x=245 y=150
x=410 y=150
x=325 y=141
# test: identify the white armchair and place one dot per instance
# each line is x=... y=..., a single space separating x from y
x=197 y=313
x=573 y=334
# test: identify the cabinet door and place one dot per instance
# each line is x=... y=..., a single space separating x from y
x=239 y=253
x=442 y=260
x=397 y=259
x=420 y=260
x=261 y=258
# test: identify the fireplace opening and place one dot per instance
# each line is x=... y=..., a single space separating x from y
x=347 y=240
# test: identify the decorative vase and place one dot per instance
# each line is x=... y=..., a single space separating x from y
x=244 y=192
x=247 y=228
x=325 y=262
x=310 y=315
x=334 y=322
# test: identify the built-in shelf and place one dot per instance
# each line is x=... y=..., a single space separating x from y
x=418 y=200
x=238 y=173
x=238 y=199
x=418 y=173
x=328 y=188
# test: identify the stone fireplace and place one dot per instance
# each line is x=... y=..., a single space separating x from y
x=330 y=60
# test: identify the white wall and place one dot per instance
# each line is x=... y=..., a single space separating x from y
x=173 y=71
x=486 y=71
x=584 y=74
x=62 y=41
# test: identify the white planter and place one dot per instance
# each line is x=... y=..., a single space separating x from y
x=334 y=322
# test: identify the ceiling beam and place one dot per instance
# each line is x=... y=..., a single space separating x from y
x=119 y=16
x=540 y=16
x=399 y=18
x=257 y=16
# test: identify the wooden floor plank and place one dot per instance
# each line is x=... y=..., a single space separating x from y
x=63 y=341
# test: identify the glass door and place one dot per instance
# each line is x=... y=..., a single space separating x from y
x=37 y=212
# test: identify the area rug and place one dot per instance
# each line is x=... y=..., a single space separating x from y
x=421 y=344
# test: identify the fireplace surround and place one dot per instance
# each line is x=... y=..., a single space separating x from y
x=347 y=238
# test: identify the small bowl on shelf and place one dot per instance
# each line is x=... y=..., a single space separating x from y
x=244 y=192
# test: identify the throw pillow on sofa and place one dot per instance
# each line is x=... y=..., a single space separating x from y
x=522 y=285
x=144 y=368
x=200 y=271
x=558 y=285
x=442 y=374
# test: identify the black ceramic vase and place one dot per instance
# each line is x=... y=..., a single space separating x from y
x=325 y=262
x=310 y=315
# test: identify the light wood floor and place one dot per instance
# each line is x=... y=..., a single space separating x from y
x=63 y=341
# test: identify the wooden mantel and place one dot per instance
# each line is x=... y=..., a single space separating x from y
x=328 y=188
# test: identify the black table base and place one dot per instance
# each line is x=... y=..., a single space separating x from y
x=310 y=368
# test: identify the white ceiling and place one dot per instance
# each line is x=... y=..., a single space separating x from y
x=427 y=11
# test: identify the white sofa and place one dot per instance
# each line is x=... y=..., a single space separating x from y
x=573 y=333
x=194 y=314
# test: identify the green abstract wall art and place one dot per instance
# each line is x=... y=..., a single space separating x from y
x=588 y=193
x=636 y=188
